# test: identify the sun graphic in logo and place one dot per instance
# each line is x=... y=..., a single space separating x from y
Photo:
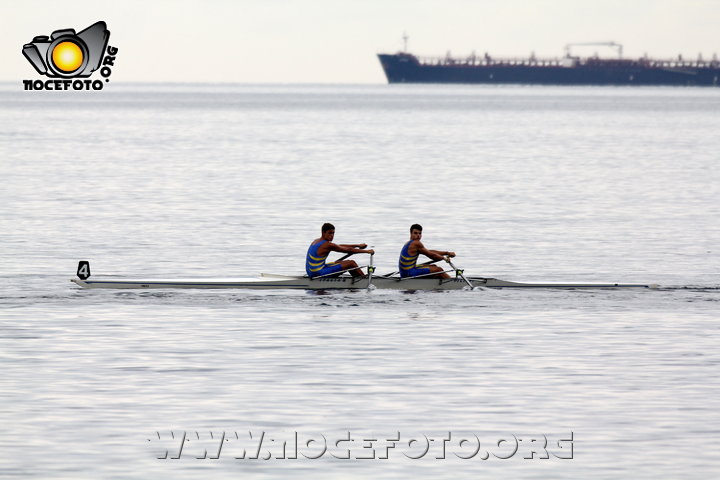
x=67 y=56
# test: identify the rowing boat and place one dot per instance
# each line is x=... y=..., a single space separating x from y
x=271 y=281
x=339 y=283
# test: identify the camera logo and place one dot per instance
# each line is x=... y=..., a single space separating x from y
x=66 y=54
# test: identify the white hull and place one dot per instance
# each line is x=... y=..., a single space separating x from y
x=269 y=282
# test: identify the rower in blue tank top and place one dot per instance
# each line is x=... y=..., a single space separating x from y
x=409 y=254
x=320 y=248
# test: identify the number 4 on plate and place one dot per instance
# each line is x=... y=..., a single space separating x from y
x=83 y=271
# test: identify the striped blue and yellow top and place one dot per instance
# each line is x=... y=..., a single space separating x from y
x=313 y=262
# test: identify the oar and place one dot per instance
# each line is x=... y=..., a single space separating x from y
x=424 y=264
x=459 y=272
x=347 y=255
x=371 y=269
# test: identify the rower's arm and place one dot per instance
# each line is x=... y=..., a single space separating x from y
x=347 y=248
x=433 y=254
x=355 y=245
x=442 y=253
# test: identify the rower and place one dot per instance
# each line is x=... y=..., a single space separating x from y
x=321 y=247
x=409 y=255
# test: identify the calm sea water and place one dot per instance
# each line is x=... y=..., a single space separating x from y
x=524 y=183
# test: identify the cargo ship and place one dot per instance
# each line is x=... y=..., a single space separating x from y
x=403 y=67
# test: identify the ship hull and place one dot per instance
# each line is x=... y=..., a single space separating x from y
x=405 y=68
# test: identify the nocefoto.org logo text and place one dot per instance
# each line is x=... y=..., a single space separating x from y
x=262 y=445
x=67 y=56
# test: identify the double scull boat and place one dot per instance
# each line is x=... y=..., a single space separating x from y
x=343 y=282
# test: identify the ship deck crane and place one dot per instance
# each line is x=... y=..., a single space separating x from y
x=618 y=46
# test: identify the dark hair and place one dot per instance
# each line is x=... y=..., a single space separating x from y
x=327 y=226
x=415 y=226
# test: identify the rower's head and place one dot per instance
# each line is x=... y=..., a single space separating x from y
x=328 y=231
x=415 y=231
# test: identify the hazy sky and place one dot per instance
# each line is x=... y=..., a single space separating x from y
x=330 y=41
